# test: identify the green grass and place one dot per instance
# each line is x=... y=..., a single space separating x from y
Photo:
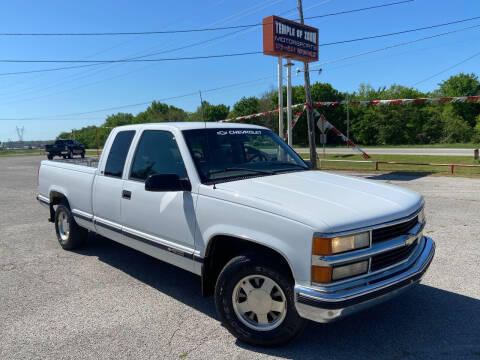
x=31 y=152
x=419 y=146
x=21 y=152
x=423 y=159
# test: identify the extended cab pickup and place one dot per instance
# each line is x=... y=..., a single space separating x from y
x=274 y=241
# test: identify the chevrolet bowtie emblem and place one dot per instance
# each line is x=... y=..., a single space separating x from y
x=410 y=240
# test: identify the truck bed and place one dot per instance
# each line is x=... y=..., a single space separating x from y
x=72 y=178
x=88 y=161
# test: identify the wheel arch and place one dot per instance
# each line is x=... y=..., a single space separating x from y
x=56 y=197
x=221 y=248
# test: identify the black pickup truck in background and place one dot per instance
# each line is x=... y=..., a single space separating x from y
x=65 y=148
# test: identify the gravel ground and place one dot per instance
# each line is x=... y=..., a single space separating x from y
x=108 y=301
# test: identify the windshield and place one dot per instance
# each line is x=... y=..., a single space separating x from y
x=233 y=153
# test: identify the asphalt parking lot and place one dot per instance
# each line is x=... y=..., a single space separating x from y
x=109 y=301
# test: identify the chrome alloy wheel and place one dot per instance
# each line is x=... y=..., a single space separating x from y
x=259 y=302
x=63 y=226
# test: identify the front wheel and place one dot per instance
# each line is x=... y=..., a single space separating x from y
x=255 y=301
x=70 y=154
x=82 y=155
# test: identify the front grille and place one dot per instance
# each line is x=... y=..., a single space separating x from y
x=390 y=232
x=392 y=257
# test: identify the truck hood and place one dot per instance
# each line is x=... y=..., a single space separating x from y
x=326 y=202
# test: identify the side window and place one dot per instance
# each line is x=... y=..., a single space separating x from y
x=118 y=153
x=157 y=153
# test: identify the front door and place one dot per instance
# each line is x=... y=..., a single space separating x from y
x=161 y=223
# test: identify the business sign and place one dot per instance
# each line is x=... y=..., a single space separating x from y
x=289 y=39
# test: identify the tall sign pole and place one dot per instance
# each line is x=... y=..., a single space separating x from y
x=289 y=101
x=293 y=41
x=280 y=97
x=308 y=97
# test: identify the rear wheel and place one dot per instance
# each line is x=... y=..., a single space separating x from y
x=82 y=155
x=69 y=234
x=49 y=157
x=255 y=301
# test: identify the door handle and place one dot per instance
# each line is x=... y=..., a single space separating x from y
x=126 y=194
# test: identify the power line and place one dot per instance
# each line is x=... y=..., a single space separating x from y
x=394 y=46
x=199 y=29
x=141 y=58
x=140 y=103
x=236 y=84
x=47 y=70
x=131 y=60
x=447 y=69
x=399 y=32
x=157 y=52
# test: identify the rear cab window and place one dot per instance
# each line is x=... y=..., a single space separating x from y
x=118 y=153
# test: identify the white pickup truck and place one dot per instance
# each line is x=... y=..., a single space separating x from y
x=274 y=241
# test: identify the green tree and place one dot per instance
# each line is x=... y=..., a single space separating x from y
x=456 y=129
x=460 y=85
x=209 y=112
x=118 y=119
x=160 y=112
x=476 y=131
x=245 y=106
x=432 y=127
x=380 y=124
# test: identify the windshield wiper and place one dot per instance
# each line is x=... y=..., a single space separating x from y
x=287 y=163
x=241 y=169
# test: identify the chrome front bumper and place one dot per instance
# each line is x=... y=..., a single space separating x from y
x=321 y=306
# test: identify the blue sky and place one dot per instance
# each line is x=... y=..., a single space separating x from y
x=47 y=95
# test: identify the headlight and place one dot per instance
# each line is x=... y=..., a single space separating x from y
x=421 y=216
x=345 y=271
x=340 y=244
x=326 y=274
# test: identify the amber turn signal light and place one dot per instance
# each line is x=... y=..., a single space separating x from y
x=322 y=246
x=321 y=274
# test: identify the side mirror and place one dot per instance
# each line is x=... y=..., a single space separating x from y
x=309 y=163
x=167 y=182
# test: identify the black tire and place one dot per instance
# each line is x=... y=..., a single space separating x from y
x=237 y=269
x=82 y=155
x=77 y=235
x=49 y=157
x=70 y=154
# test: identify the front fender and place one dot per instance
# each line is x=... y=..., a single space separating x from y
x=291 y=239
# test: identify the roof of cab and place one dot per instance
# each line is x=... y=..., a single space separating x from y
x=189 y=125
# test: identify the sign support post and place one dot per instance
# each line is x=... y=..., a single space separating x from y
x=280 y=97
x=293 y=41
x=289 y=101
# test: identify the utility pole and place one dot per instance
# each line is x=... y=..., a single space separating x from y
x=308 y=97
x=348 y=116
x=201 y=104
